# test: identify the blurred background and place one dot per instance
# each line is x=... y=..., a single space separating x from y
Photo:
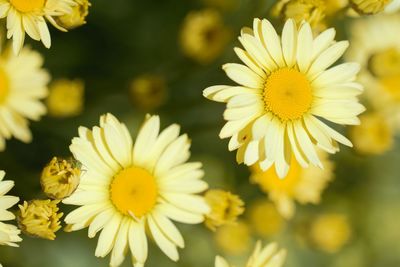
x=136 y=57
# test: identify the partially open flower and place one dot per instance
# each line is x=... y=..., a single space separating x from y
x=77 y=17
x=40 y=218
x=60 y=178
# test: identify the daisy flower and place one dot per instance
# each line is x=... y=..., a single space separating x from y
x=287 y=94
x=23 y=83
x=128 y=187
x=269 y=255
x=9 y=234
x=29 y=16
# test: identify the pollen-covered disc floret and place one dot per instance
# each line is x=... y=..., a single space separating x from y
x=127 y=188
x=285 y=94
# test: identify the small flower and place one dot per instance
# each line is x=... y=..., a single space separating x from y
x=268 y=256
x=148 y=92
x=225 y=208
x=264 y=218
x=9 y=234
x=329 y=232
x=369 y=7
x=77 y=17
x=303 y=185
x=66 y=98
x=204 y=35
x=285 y=95
x=29 y=16
x=233 y=238
x=40 y=218
x=60 y=178
x=23 y=83
x=373 y=136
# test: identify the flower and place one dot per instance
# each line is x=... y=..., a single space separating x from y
x=329 y=232
x=128 y=187
x=28 y=16
x=373 y=136
x=262 y=211
x=285 y=95
x=303 y=185
x=9 y=234
x=368 y=7
x=233 y=238
x=75 y=18
x=268 y=256
x=66 y=98
x=22 y=84
x=148 y=92
x=204 y=35
x=60 y=178
x=40 y=218
x=225 y=208
x=376 y=46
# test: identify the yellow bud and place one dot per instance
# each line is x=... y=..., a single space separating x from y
x=60 y=178
x=40 y=218
x=225 y=208
x=148 y=92
x=369 y=7
x=77 y=17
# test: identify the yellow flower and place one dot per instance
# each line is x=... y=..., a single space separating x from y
x=28 y=16
x=222 y=4
x=77 y=17
x=373 y=136
x=130 y=190
x=268 y=256
x=9 y=234
x=312 y=11
x=285 y=95
x=302 y=185
x=369 y=7
x=60 y=178
x=23 y=83
x=334 y=6
x=330 y=232
x=376 y=47
x=233 y=238
x=264 y=218
x=40 y=218
x=65 y=98
x=204 y=35
x=148 y=92
x=225 y=208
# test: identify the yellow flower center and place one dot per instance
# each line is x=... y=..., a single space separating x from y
x=26 y=6
x=392 y=86
x=134 y=191
x=288 y=94
x=4 y=86
x=385 y=63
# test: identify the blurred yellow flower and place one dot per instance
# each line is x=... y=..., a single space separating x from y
x=373 y=136
x=264 y=218
x=375 y=44
x=233 y=238
x=66 y=98
x=40 y=218
x=302 y=185
x=334 y=6
x=75 y=18
x=225 y=208
x=369 y=7
x=222 y=4
x=148 y=92
x=23 y=83
x=28 y=16
x=330 y=232
x=312 y=11
x=60 y=178
x=268 y=256
x=9 y=234
x=204 y=35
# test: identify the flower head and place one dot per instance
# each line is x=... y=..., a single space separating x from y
x=148 y=92
x=285 y=94
x=40 y=218
x=75 y=18
x=9 y=234
x=23 y=83
x=233 y=238
x=225 y=208
x=264 y=218
x=60 y=178
x=369 y=7
x=127 y=187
